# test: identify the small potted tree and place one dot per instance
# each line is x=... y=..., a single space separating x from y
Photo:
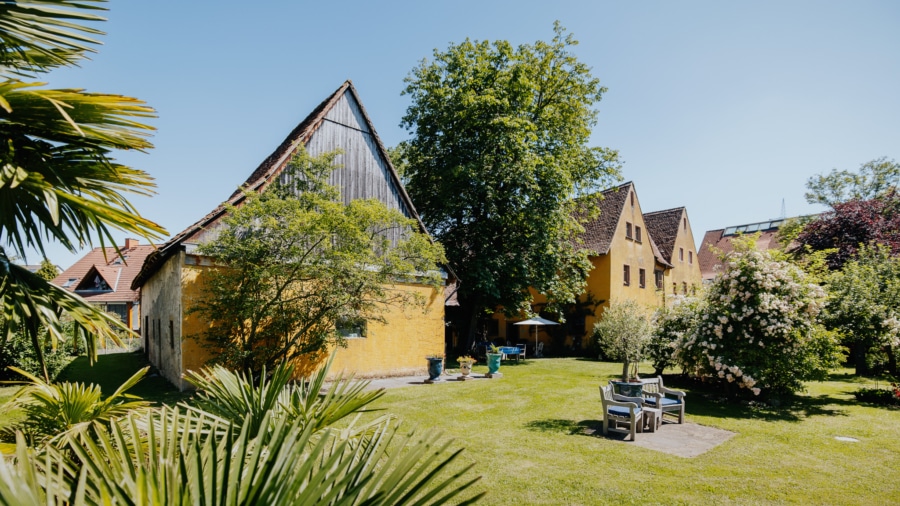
x=623 y=334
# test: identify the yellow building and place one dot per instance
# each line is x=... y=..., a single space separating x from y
x=173 y=275
x=628 y=263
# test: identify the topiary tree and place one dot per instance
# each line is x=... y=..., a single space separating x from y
x=672 y=323
x=623 y=333
x=758 y=329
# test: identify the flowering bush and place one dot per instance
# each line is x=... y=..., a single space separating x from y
x=758 y=330
x=672 y=323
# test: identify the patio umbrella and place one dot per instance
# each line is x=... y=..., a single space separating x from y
x=537 y=320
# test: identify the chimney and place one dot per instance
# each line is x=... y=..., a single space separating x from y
x=131 y=243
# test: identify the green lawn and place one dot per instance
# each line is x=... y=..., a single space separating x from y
x=527 y=434
x=530 y=435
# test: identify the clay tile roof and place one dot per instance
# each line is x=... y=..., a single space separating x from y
x=598 y=233
x=107 y=264
x=663 y=228
x=709 y=260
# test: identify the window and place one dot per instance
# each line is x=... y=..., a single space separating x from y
x=674 y=288
x=70 y=282
x=685 y=224
x=681 y=254
x=351 y=327
x=637 y=233
x=171 y=334
x=120 y=310
x=642 y=278
x=658 y=274
x=684 y=287
x=628 y=230
x=690 y=257
x=627 y=275
x=632 y=199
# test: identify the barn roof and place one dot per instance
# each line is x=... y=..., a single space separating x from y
x=268 y=171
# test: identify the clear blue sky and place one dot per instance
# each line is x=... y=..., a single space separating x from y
x=723 y=107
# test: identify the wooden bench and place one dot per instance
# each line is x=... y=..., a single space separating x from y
x=656 y=395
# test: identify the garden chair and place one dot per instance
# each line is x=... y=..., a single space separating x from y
x=656 y=395
x=521 y=348
x=620 y=409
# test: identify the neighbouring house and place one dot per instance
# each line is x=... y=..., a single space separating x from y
x=718 y=242
x=629 y=262
x=103 y=277
x=175 y=273
x=671 y=232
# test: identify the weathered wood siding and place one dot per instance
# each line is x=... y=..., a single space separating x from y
x=362 y=173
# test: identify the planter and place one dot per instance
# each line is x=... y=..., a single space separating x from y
x=435 y=368
x=493 y=363
x=628 y=388
x=465 y=368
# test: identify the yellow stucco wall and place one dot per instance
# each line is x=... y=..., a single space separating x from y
x=686 y=267
x=396 y=347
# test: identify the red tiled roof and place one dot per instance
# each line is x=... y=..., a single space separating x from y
x=598 y=233
x=106 y=263
x=663 y=227
x=709 y=259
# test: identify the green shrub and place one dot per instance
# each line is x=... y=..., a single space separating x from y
x=672 y=323
x=880 y=396
x=18 y=352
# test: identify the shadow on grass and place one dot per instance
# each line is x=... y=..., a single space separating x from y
x=110 y=371
x=705 y=401
x=562 y=426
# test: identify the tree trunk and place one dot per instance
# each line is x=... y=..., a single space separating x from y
x=859 y=358
x=625 y=365
x=892 y=360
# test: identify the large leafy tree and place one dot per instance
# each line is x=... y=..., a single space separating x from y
x=296 y=263
x=864 y=306
x=58 y=181
x=499 y=149
x=874 y=179
x=852 y=224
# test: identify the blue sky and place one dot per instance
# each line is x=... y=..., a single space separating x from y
x=723 y=107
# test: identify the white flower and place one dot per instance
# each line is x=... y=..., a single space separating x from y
x=755 y=391
x=729 y=377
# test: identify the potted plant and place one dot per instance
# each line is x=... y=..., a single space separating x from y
x=623 y=334
x=435 y=367
x=465 y=366
x=493 y=361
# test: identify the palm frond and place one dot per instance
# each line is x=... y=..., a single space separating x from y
x=38 y=35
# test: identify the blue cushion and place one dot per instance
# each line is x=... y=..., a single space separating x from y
x=620 y=411
x=665 y=401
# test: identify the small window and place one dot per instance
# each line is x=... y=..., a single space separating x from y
x=674 y=288
x=632 y=199
x=684 y=287
x=628 y=230
x=681 y=254
x=171 y=334
x=690 y=257
x=642 y=278
x=637 y=233
x=658 y=274
x=685 y=223
x=351 y=328
x=70 y=282
x=627 y=274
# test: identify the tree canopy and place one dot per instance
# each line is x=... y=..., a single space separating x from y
x=852 y=224
x=58 y=180
x=296 y=263
x=499 y=149
x=874 y=179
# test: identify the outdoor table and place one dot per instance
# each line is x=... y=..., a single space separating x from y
x=510 y=350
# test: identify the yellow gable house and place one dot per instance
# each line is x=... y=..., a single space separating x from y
x=173 y=275
x=628 y=263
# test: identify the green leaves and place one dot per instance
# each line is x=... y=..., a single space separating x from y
x=499 y=146
x=296 y=260
x=58 y=180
